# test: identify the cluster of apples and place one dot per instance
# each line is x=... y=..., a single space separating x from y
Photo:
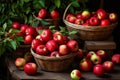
x=44 y=14
x=26 y=64
x=97 y=62
x=53 y=44
x=26 y=31
x=97 y=18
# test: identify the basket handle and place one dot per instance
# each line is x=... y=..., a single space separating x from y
x=66 y=11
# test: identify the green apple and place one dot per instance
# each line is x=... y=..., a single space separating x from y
x=95 y=59
x=75 y=74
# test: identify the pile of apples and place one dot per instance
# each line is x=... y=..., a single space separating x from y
x=26 y=31
x=44 y=14
x=53 y=44
x=96 y=62
x=98 y=18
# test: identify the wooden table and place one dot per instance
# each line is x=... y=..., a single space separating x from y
x=43 y=75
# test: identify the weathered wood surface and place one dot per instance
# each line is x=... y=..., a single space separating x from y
x=43 y=75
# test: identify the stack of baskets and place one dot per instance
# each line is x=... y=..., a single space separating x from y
x=89 y=32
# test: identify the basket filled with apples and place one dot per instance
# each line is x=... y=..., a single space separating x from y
x=91 y=25
x=53 y=51
x=47 y=18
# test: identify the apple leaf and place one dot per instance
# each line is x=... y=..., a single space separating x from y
x=13 y=44
x=57 y=3
x=75 y=4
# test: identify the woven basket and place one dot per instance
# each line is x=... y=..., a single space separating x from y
x=21 y=50
x=52 y=22
x=54 y=64
x=90 y=32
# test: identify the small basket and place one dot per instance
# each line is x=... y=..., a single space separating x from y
x=52 y=22
x=54 y=64
x=90 y=32
x=21 y=50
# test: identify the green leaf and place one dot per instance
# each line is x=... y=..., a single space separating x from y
x=13 y=44
x=26 y=1
x=18 y=38
x=43 y=22
x=42 y=3
x=75 y=4
x=52 y=8
x=13 y=31
x=73 y=32
x=4 y=26
x=40 y=31
x=71 y=9
x=57 y=3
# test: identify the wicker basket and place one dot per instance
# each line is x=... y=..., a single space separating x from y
x=21 y=50
x=90 y=32
x=52 y=22
x=54 y=64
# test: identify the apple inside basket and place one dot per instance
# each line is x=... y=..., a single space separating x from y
x=54 y=64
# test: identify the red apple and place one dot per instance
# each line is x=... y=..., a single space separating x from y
x=41 y=40
x=58 y=38
x=94 y=21
x=46 y=35
x=30 y=68
x=63 y=49
x=96 y=59
x=52 y=45
x=65 y=39
x=101 y=53
x=85 y=65
x=42 y=50
x=80 y=54
x=89 y=54
x=35 y=43
x=16 y=25
x=54 y=14
x=75 y=74
x=98 y=70
x=79 y=16
x=57 y=32
x=73 y=45
x=69 y=15
x=42 y=13
x=20 y=62
x=105 y=22
x=28 y=39
x=23 y=28
x=71 y=19
x=101 y=14
x=116 y=58
x=113 y=17
x=79 y=21
x=108 y=66
x=31 y=31
x=54 y=54
x=85 y=14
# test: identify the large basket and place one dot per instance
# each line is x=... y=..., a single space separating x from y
x=54 y=64
x=90 y=32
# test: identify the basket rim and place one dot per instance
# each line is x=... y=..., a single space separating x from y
x=53 y=58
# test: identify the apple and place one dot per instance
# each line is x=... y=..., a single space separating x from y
x=57 y=32
x=23 y=28
x=39 y=28
x=89 y=54
x=31 y=31
x=116 y=58
x=46 y=35
x=42 y=13
x=30 y=68
x=79 y=21
x=28 y=39
x=54 y=54
x=71 y=19
x=16 y=25
x=85 y=65
x=80 y=54
x=20 y=62
x=39 y=37
x=101 y=14
x=113 y=17
x=58 y=38
x=108 y=66
x=41 y=50
x=85 y=14
x=63 y=49
x=54 y=14
x=105 y=22
x=65 y=39
x=52 y=45
x=98 y=70
x=96 y=59
x=79 y=16
x=94 y=21
x=35 y=43
x=101 y=53
x=69 y=15
x=75 y=74
x=73 y=45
